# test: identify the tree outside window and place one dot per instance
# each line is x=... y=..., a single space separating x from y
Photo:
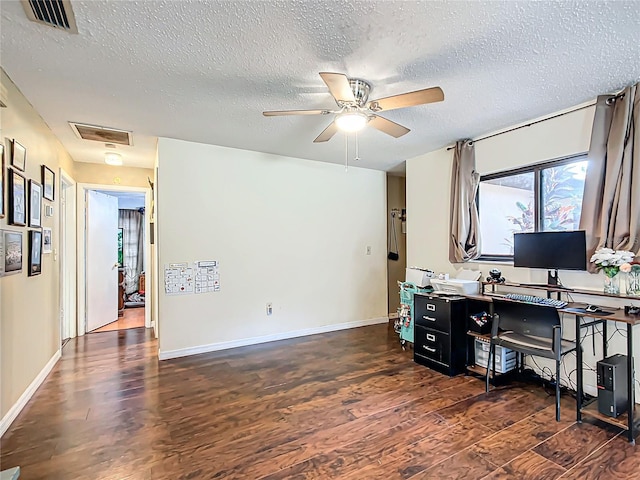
x=547 y=197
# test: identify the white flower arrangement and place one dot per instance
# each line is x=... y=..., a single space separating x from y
x=610 y=260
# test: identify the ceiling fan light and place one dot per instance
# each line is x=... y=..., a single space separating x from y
x=351 y=121
x=111 y=158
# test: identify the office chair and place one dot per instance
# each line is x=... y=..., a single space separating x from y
x=530 y=330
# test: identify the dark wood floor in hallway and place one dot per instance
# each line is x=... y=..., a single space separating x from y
x=347 y=405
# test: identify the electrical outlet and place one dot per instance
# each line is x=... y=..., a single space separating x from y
x=368 y=250
x=269 y=308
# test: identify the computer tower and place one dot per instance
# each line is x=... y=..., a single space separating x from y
x=613 y=397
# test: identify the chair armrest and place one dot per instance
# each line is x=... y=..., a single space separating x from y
x=494 y=325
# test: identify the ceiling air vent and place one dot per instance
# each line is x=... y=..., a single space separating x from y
x=102 y=134
x=55 y=13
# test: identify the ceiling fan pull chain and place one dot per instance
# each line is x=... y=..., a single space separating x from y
x=357 y=154
x=346 y=152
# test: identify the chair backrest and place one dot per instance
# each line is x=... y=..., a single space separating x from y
x=526 y=318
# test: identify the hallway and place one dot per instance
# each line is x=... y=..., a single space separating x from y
x=131 y=318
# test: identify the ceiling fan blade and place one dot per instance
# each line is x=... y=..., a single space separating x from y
x=410 y=99
x=327 y=133
x=387 y=126
x=339 y=87
x=276 y=113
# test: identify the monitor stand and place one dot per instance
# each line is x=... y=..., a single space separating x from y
x=552 y=277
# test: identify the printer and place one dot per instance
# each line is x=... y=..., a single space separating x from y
x=418 y=276
x=465 y=283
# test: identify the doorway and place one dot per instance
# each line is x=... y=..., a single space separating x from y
x=113 y=266
x=396 y=215
x=131 y=294
x=67 y=251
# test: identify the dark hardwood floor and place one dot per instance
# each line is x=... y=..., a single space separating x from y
x=348 y=405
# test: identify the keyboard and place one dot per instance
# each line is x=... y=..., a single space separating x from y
x=549 y=302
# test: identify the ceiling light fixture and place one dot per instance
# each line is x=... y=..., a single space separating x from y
x=111 y=158
x=351 y=121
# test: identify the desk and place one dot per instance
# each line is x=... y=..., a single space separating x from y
x=629 y=421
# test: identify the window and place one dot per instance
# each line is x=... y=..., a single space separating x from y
x=544 y=197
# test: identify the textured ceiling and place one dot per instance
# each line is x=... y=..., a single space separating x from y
x=205 y=70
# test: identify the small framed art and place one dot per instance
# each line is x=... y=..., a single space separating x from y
x=2 y=182
x=48 y=183
x=47 y=240
x=10 y=252
x=17 y=198
x=18 y=156
x=35 y=252
x=35 y=204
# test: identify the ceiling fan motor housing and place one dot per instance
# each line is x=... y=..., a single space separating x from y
x=360 y=90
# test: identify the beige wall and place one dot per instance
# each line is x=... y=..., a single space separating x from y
x=103 y=174
x=396 y=198
x=29 y=306
x=428 y=194
x=288 y=231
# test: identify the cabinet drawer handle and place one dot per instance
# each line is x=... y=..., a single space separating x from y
x=429 y=349
x=431 y=337
x=431 y=307
x=431 y=319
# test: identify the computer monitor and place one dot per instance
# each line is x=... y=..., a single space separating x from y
x=550 y=250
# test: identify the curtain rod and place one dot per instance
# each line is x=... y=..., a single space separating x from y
x=528 y=124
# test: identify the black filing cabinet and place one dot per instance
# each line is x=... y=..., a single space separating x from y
x=440 y=333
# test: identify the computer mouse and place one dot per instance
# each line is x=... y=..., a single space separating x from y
x=592 y=308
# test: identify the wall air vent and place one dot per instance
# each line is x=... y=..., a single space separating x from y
x=102 y=134
x=55 y=13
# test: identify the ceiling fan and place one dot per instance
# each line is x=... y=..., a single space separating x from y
x=355 y=112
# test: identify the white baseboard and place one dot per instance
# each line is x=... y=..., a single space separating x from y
x=14 y=411
x=212 y=347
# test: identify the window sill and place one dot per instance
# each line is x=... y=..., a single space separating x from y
x=492 y=261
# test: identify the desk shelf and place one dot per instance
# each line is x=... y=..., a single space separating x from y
x=550 y=289
x=477 y=369
x=622 y=421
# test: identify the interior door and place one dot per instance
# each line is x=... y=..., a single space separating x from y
x=102 y=259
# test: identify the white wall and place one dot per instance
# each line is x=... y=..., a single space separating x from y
x=428 y=209
x=288 y=231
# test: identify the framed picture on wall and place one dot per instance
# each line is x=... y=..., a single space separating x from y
x=17 y=199
x=18 y=156
x=10 y=252
x=35 y=252
x=47 y=240
x=2 y=175
x=48 y=183
x=35 y=204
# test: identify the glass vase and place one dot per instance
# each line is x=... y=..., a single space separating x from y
x=633 y=283
x=612 y=284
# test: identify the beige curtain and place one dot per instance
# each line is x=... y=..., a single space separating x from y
x=611 y=202
x=132 y=224
x=464 y=243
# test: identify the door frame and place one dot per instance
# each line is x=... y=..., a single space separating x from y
x=82 y=189
x=68 y=258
